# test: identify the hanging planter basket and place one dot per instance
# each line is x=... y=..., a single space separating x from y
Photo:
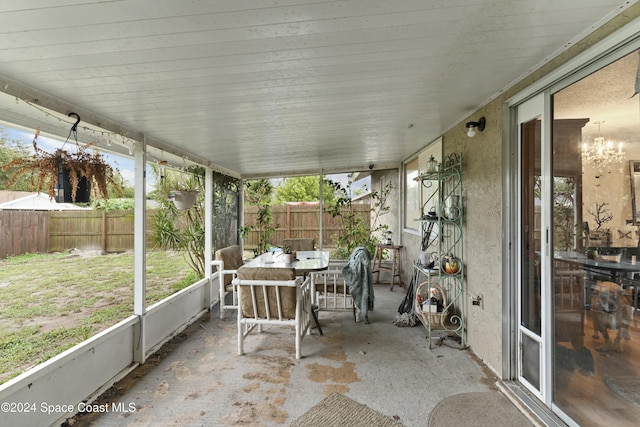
x=65 y=188
x=183 y=199
x=67 y=176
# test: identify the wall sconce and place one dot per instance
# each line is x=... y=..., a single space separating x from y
x=480 y=124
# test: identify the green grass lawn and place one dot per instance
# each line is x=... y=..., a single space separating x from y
x=50 y=302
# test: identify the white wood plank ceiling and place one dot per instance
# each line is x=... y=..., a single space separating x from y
x=262 y=87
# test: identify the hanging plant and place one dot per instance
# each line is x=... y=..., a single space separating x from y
x=185 y=189
x=183 y=199
x=47 y=170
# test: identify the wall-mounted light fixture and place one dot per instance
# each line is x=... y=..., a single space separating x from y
x=480 y=124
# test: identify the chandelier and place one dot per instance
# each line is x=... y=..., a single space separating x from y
x=602 y=153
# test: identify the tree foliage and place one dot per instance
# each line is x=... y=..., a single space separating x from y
x=359 y=230
x=565 y=227
x=260 y=193
x=9 y=151
x=126 y=189
x=304 y=189
x=226 y=210
x=119 y=204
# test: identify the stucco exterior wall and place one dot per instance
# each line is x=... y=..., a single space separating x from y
x=482 y=198
x=379 y=180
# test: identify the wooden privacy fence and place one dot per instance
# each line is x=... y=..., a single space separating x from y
x=106 y=231
x=23 y=232
x=55 y=231
x=301 y=221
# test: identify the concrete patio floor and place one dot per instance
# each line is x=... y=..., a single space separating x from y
x=199 y=380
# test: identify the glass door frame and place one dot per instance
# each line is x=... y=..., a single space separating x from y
x=620 y=43
x=531 y=109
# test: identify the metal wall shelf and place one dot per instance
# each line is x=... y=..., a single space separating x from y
x=442 y=236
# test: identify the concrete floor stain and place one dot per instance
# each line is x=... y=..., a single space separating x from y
x=336 y=388
x=333 y=339
x=251 y=387
x=251 y=413
x=338 y=356
x=182 y=373
x=161 y=390
x=192 y=395
x=344 y=374
x=274 y=371
x=145 y=421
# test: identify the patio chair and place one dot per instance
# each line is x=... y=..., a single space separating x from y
x=330 y=292
x=299 y=244
x=273 y=296
x=228 y=260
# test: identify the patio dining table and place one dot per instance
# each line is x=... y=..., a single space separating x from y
x=613 y=269
x=305 y=262
x=623 y=273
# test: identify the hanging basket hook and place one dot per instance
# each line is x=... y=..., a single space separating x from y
x=73 y=130
x=75 y=125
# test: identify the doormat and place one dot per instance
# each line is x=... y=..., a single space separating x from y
x=477 y=409
x=626 y=387
x=339 y=410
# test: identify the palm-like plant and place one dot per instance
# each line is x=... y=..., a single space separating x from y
x=176 y=229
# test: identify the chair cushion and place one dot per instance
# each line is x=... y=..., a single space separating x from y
x=232 y=258
x=287 y=294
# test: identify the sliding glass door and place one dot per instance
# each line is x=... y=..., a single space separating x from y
x=596 y=274
x=531 y=336
x=578 y=222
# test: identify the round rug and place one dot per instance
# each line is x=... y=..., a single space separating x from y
x=489 y=408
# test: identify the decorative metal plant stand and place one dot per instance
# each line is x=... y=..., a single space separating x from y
x=442 y=236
